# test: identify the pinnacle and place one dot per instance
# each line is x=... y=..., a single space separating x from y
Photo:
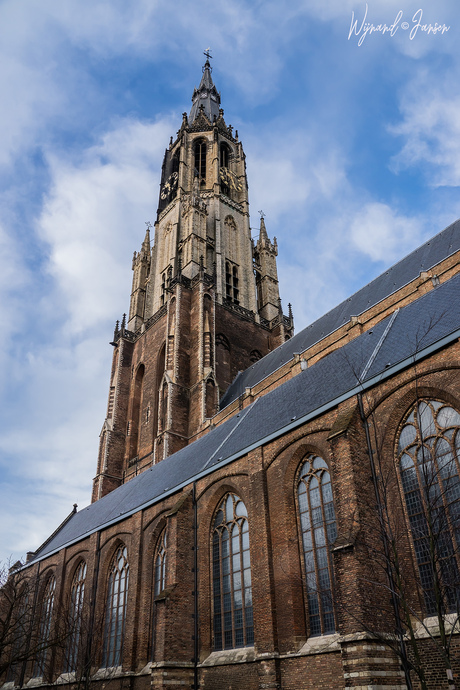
x=263 y=237
x=206 y=97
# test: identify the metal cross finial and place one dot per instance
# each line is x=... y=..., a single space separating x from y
x=148 y=224
x=262 y=214
x=207 y=52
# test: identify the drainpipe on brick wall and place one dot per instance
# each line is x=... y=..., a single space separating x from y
x=195 y=589
x=394 y=600
x=32 y=621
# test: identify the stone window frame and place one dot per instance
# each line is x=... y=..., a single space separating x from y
x=116 y=607
x=46 y=616
x=317 y=562
x=416 y=452
x=77 y=597
x=232 y=610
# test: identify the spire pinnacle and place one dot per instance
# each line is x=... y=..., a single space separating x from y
x=263 y=237
x=206 y=95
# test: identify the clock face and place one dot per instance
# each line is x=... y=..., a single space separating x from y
x=170 y=185
x=229 y=178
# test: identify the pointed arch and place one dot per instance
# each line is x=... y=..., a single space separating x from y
x=115 y=614
x=77 y=594
x=199 y=153
x=46 y=617
x=223 y=362
x=136 y=409
x=231 y=568
x=318 y=530
x=160 y=370
x=428 y=454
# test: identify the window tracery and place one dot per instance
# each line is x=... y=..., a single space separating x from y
x=429 y=454
x=77 y=594
x=318 y=531
x=232 y=588
x=200 y=162
x=160 y=565
x=45 y=626
x=117 y=592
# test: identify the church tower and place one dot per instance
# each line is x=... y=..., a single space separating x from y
x=204 y=303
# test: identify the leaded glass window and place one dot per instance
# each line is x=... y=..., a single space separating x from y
x=117 y=593
x=160 y=565
x=232 y=587
x=428 y=453
x=76 y=609
x=318 y=531
x=45 y=626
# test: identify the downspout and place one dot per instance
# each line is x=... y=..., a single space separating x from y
x=195 y=589
x=394 y=600
x=32 y=621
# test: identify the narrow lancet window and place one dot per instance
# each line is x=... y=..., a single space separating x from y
x=77 y=594
x=45 y=627
x=117 y=592
x=233 y=619
x=318 y=530
x=429 y=454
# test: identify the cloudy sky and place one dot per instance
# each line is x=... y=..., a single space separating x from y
x=353 y=152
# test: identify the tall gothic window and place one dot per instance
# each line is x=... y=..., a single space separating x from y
x=224 y=158
x=117 y=592
x=429 y=454
x=45 y=626
x=318 y=529
x=77 y=594
x=233 y=621
x=160 y=565
x=200 y=162
x=231 y=282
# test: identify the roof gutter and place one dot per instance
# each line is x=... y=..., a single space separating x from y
x=360 y=388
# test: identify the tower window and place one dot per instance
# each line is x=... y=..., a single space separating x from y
x=232 y=291
x=224 y=159
x=160 y=565
x=200 y=162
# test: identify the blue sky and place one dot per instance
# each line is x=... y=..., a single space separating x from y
x=353 y=153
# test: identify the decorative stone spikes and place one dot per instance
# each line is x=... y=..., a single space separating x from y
x=263 y=242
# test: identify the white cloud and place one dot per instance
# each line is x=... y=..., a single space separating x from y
x=93 y=218
x=431 y=130
x=383 y=235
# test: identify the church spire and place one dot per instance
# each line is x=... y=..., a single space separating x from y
x=205 y=96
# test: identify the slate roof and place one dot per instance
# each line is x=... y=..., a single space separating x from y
x=424 y=258
x=205 y=95
x=410 y=333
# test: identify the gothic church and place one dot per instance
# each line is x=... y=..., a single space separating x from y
x=248 y=477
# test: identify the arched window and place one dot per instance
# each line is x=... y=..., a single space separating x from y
x=429 y=453
x=233 y=621
x=318 y=529
x=136 y=418
x=231 y=283
x=200 y=162
x=77 y=594
x=160 y=565
x=223 y=362
x=224 y=158
x=254 y=356
x=45 y=626
x=117 y=592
